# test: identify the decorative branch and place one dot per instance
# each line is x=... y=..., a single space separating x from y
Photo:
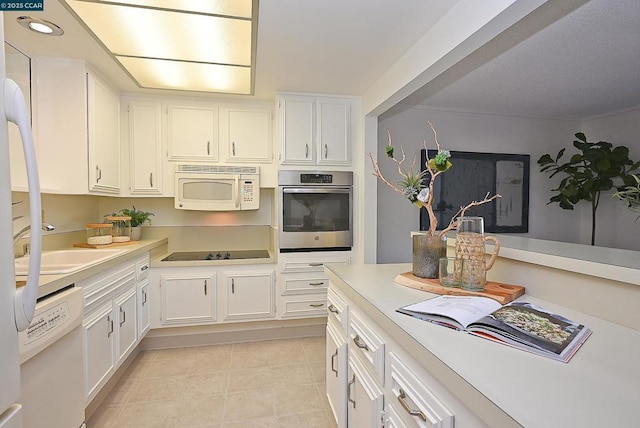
x=412 y=186
x=453 y=224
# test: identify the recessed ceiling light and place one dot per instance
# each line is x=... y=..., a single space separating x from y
x=40 y=26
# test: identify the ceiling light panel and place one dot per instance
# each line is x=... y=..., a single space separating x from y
x=154 y=33
x=233 y=8
x=189 y=76
x=207 y=44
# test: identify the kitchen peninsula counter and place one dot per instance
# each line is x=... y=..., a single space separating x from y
x=504 y=386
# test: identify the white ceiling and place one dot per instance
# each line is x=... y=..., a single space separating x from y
x=583 y=65
x=329 y=46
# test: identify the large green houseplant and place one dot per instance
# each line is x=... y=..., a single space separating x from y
x=595 y=168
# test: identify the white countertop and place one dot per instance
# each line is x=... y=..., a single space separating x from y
x=51 y=283
x=599 y=387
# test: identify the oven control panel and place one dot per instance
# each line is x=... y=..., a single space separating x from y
x=316 y=178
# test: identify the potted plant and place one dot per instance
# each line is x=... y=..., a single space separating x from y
x=429 y=247
x=588 y=173
x=138 y=218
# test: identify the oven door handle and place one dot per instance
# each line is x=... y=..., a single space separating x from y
x=313 y=189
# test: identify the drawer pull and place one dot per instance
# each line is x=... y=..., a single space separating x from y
x=143 y=268
x=333 y=369
x=315 y=264
x=351 y=382
x=316 y=305
x=333 y=309
x=401 y=399
x=359 y=343
x=315 y=284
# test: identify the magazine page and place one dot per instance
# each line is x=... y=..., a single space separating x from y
x=529 y=326
x=452 y=311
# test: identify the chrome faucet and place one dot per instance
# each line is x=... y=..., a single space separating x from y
x=45 y=226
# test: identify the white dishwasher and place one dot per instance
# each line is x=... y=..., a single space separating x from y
x=51 y=363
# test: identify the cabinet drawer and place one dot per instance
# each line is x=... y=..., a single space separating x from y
x=366 y=343
x=414 y=402
x=310 y=285
x=338 y=309
x=142 y=269
x=311 y=265
x=303 y=306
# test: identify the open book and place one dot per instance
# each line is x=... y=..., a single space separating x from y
x=518 y=324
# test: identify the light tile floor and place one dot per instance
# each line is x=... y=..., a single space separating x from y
x=277 y=383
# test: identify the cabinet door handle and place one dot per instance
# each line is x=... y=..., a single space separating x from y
x=123 y=314
x=109 y=326
x=144 y=297
x=205 y=287
x=359 y=343
x=233 y=286
x=316 y=284
x=233 y=148
x=351 y=382
x=316 y=305
x=306 y=151
x=405 y=405
x=333 y=309
x=151 y=179
x=326 y=151
x=98 y=174
x=208 y=148
x=333 y=369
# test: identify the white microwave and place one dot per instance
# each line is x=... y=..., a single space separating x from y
x=216 y=188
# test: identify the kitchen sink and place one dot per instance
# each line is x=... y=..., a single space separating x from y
x=67 y=261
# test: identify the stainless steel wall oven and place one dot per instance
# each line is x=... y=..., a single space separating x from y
x=315 y=210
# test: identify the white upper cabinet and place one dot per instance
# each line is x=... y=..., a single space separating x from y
x=193 y=132
x=145 y=148
x=104 y=136
x=315 y=130
x=296 y=130
x=250 y=134
x=333 y=121
x=76 y=127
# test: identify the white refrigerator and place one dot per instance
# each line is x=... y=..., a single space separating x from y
x=16 y=305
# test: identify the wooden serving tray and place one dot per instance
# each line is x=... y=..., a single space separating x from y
x=503 y=293
x=113 y=244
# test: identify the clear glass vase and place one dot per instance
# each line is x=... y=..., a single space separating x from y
x=427 y=251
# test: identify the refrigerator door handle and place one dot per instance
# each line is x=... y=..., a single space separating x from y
x=16 y=112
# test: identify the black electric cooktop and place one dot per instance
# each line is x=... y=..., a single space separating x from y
x=188 y=256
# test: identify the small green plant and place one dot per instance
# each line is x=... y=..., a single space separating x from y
x=630 y=195
x=138 y=217
x=588 y=173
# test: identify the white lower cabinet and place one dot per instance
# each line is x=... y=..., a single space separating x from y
x=414 y=402
x=99 y=349
x=384 y=385
x=110 y=324
x=250 y=295
x=207 y=295
x=336 y=373
x=365 y=398
x=188 y=299
x=302 y=284
x=144 y=312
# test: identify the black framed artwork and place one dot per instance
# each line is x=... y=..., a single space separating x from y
x=470 y=177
